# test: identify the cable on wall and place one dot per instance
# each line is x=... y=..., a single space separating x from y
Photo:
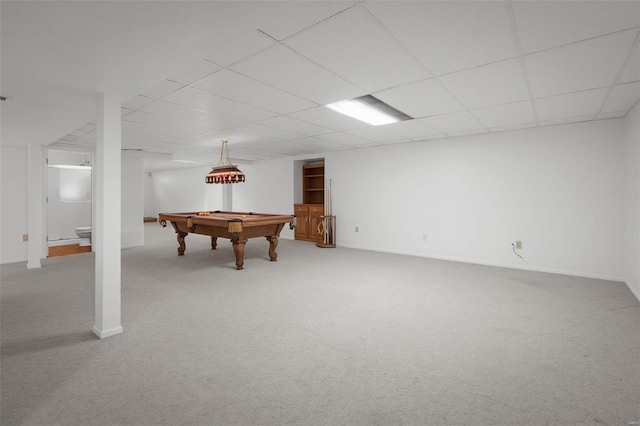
x=515 y=252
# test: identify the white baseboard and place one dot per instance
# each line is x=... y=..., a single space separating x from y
x=502 y=265
x=65 y=242
x=7 y=261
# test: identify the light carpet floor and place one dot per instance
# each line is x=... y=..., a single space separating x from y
x=320 y=337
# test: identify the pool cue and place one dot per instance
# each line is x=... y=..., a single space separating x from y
x=326 y=213
x=329 y=228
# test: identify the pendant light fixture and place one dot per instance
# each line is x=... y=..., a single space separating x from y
x=225 y=172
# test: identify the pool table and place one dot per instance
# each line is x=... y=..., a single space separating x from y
x=236 y=226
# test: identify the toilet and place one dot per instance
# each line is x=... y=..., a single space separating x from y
x=84 y=232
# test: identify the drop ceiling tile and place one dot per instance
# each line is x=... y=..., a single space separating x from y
x=322 y=145
x=137 y=102
x=280 y=67
x=622 y=98
x=78 y=133
x=512 y=127
x=162 y=89
x=86 y=139
x=505 y=115
x=262 y=132
x=195 y=155
x=252 y=155
x=144 y=142
x=89 y=127
x=227 y=51
x=413 y=129
x=325 y=117
x=282 y=19
x=355 y=46
x=421 y=99
x=235 y=86
x=196 y=72
x=203 y=101
x=142 y=131
x=347 y=139
x=191 y=115
x=450 y=36
x=378 y=134
x=569 y=120
x=295 y=126
x=631 y=71
x=290 y=148
x=579 y=66
x=578 y=104
x=546 y=24
x=606 y=115
x=493 y=84
x=236 y=140
x=454 y=123
x=469 y=132
x=151 y=129
x=163 y=121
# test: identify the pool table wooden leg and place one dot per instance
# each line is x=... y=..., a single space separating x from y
x=238 y=249
x=182 y=246
x=273 y=243
x=214 y=243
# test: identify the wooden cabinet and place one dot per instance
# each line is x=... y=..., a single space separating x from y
x=307 y=217
x=312 y=207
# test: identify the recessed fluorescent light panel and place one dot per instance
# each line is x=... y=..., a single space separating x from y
x=369 y=109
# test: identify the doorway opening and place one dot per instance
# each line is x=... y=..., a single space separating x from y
x=69 y=202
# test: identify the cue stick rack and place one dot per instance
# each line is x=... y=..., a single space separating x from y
x=327 y=224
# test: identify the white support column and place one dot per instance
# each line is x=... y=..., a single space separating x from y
x=227 y=197
x=36 y=207
x=106 y=232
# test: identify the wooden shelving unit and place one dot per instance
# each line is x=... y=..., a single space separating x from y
x=313 y=183
x=312 y=207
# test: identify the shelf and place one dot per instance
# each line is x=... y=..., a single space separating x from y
x=313 y=183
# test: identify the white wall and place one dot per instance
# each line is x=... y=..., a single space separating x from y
x=132 y=214
x=557 y=189
x=149 y=199
x=632 y=200
x=14 y=178
x=13 y=186
x=269 y=189
x=182 y=191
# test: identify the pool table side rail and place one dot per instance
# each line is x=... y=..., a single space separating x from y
x=251 y=220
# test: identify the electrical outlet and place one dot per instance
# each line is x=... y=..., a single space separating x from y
x=356 y=229
x=25 y=237
x=518 y=245
x=424 y=237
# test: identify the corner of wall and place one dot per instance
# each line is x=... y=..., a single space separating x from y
x=632 y=200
